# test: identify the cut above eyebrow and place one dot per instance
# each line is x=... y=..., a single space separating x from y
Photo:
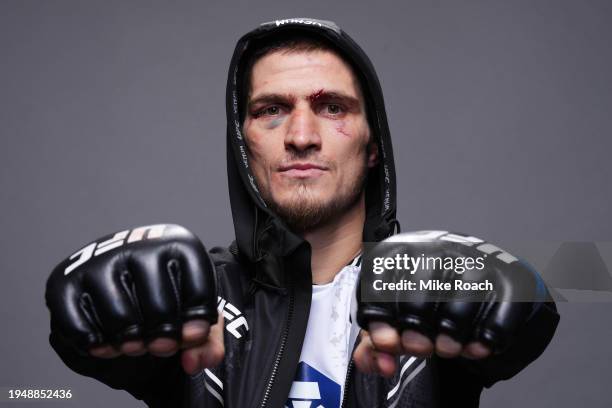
x=351 y=103
x=321 y=95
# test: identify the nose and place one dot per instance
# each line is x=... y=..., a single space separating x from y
x=302 y=132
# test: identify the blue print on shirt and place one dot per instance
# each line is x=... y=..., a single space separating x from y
x=312 y=389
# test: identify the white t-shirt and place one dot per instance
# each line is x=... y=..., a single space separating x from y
x=330 y=336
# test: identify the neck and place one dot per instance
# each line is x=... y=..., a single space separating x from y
x=336 y=243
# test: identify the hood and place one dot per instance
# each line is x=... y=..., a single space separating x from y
x=261 y=236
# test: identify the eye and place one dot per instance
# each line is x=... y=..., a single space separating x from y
x=334 y=109
x=272 y=110
x=269 y=111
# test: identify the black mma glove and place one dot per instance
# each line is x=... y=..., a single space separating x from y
x=491 y=316
x=138 y=284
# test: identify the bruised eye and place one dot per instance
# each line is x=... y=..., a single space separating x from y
x=272 y=110
x=269 y=111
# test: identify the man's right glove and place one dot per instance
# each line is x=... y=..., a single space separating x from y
x=149 y=289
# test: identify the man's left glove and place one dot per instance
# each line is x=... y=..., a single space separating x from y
x=449 y=322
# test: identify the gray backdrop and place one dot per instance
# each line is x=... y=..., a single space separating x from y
x=112 y=115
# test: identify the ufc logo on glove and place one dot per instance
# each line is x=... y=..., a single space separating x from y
x=96 y=248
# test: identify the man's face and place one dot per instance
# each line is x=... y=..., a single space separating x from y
x=307 y=134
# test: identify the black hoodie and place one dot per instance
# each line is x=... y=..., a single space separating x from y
x=258 y=230
x=265 y=284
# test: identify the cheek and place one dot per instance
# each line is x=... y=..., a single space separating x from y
x=348 y=139
x=262 y=142
x=343 y=129
x=262 y=154
x=351 y=128
x=255 y=148
x=349 y=154
x=274 y=123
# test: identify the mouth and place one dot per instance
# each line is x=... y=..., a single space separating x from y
x=302 y=170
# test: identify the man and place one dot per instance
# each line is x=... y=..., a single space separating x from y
x=311 y=178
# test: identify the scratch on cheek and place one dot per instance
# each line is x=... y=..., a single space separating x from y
x=274 y=123
x=340 y=128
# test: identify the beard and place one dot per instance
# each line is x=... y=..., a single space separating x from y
x=304 y=211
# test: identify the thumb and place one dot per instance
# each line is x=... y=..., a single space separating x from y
x=368 y=360
x=207 y=354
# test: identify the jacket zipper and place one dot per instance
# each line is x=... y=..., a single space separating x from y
x=347 y=382
x=281 y=349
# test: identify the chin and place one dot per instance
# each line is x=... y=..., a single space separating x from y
x=302 y=197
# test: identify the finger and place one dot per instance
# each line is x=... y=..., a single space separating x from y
x=72 y=317
x=208 y=354
x=110 y=296
x=195 y=333
x=507 y=312
x=385 y=363
x=364 y=354
x=417 y=308
x=374 y=305
x=104 y=351
x=159 y=303
x=384 y=337
x=370 y=361
x=195 y=274
x=456 y=319
x=416 y=344
x=501 y=323
x=447 y=347
x=133 y=348
x=476 y=351
x=163 y=347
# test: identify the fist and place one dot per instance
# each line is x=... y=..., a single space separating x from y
x=151 y=289
x=452 y=322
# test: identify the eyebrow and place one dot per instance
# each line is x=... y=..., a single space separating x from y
x=271 y=98
x=321 y=94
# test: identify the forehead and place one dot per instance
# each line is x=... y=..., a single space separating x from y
x=295 y=71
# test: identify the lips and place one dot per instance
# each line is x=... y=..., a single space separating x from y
x=302 y=170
